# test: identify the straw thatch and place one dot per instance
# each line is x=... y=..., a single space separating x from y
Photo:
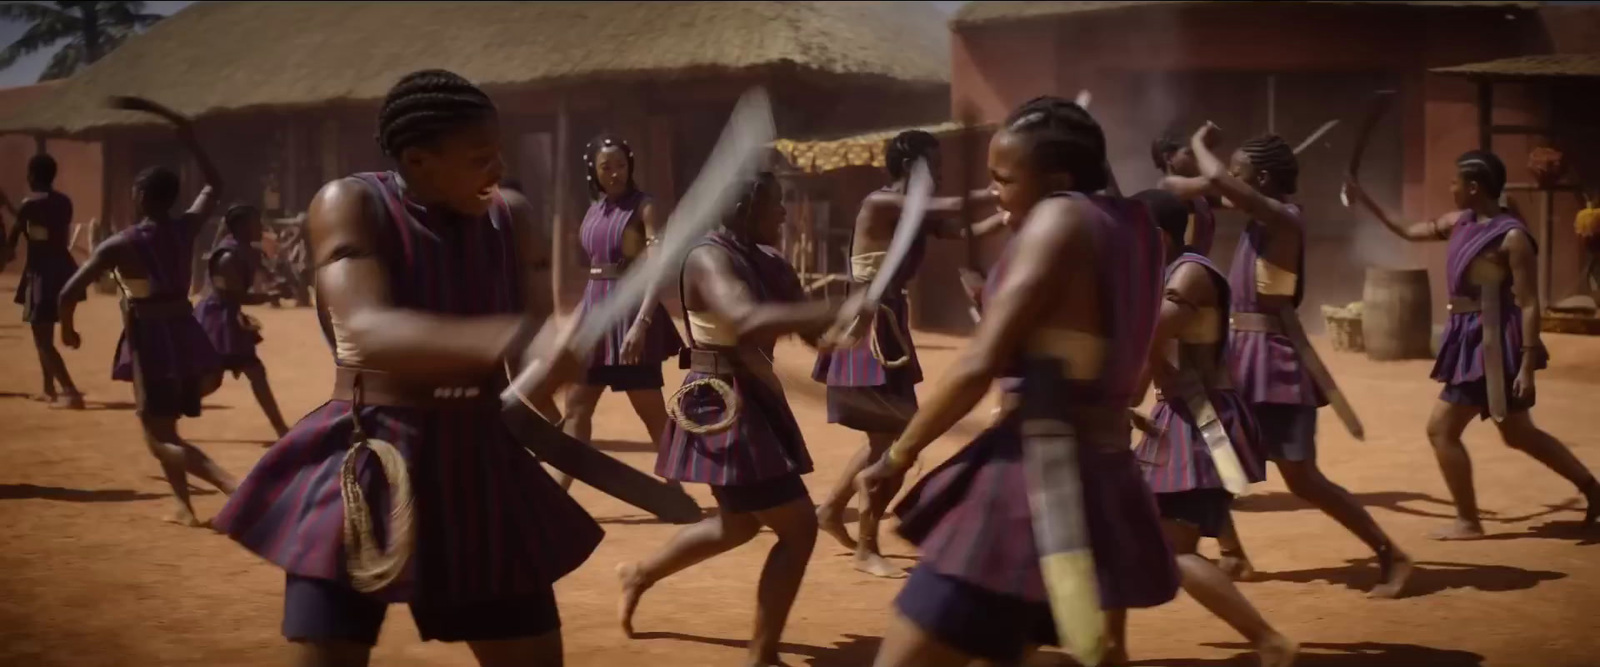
x=1558 y=65
x=228 y=56
x=978 y=13
x=861 y=150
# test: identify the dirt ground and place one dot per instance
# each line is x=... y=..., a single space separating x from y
x=92 y=577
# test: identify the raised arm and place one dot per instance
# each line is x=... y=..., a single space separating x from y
x=1437 y=229
x=1241 y=195
x=353 y=284
x=712 y=274
x=211 y=192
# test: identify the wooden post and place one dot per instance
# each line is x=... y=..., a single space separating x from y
x=1547 y=206
x=563 y=200
x=1485 y=115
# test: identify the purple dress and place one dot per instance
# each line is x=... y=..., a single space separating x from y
x=1179 y=461
x=1460 y=362
x=222 y=318
x=606 y=226
x=764 y=443
x=971 y=518
x=174 y=355
x=490 y=523
x=863 y=394
x=46 y=219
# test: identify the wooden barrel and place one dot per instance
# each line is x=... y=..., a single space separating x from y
x=1397 y=314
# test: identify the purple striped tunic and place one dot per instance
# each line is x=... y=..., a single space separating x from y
x=1202 y=225
x=765 y=442
x=1266 y=367
x=971 y=516
x=1179 y=460
x=1460 y=357
x=222 y=317
x=605 y=226
x=170 y=348
x=490 y=523
x=47 y=218
x=855 y=366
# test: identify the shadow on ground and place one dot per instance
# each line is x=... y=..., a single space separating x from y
x=1430 y=577
x=28 y=491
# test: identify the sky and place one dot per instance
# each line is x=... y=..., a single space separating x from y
x=26 y=71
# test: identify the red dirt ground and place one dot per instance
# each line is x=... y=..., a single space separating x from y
x=93 y=577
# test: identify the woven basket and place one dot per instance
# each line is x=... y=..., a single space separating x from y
x=1344 y=329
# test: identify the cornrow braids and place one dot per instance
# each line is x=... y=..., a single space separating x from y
x=1485 y=169
x=744 y=207
x=1271 y=154
x=424 y=105
x=906 y=148
x=591 y=153
x=1162 y=148
x=159 y=188
x=1066 y=139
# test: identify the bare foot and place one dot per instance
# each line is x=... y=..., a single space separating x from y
x=832 y=523
x=877 y=566
x=1461 y=529
x=67 y=402
x=633 y=587
x=1394 y=569
x=1237 y=568
x=1277 y=651
x=1591 y=515
x=46 y=397
x=183 y=517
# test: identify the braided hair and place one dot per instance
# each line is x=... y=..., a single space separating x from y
x=1162 y=149
x=1271 y=154
x=1169 y=213
x=1485 y=169
x=422 y=106
x=591 y=154
x=158 y=188
x=1066 y=139
x=744 y=207
x=906 y=148
x=41 y=171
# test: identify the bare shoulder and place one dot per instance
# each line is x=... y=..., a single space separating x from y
x=339 y=204
x=1517 y=241
x=1191 y=282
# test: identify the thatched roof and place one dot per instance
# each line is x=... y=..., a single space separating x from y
x=1559 y=65
x=861 y=150
x=978 y=13
x=218 y=56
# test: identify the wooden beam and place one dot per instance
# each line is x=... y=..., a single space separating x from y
x=1539 y=130
x=1485 y=115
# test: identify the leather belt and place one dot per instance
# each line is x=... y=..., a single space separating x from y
x=1463 y=305
x=379 y=388
x=159 y=308
x=1256 y=322
x=714 y=362
x=607 y=271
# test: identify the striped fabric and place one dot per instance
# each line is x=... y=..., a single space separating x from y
x=171 y=348
x=855 y=366
x=1179 y=459
x=491 y=524
x=605 y=226
x=765 y=442
x=1461 y=347
x=48 y=220
x=1202 y=225
x=220 y=316
x=1266 y=367
x=971 y=516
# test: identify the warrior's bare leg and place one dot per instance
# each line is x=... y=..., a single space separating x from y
x=830 y=514
x=578 y=419
x=54 y=368
x=1520 y=433
x=1116 y=638
x=1305 y=480
x=652 y=410
x=1233 y=559
x=711 y=536
x=331 y=654
x=178 y=460
x=257 y=375
x=906 y=645
x=795 y=524
x=1445 y=427
x=541 y=651
x=1210 y=586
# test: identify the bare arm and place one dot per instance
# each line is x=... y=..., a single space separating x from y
x=353 y=284
x=205 y=204
x=227 y=278
x=1188 y=290
x=1519 y=252
x=712 y=274
x=1241 y=195
x=1437 y=229
x=104 y=258
x=533 y=265
x=1054 y=241
x=648 y=217
x=1185 y=187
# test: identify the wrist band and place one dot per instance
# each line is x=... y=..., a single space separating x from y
x=898 y=458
